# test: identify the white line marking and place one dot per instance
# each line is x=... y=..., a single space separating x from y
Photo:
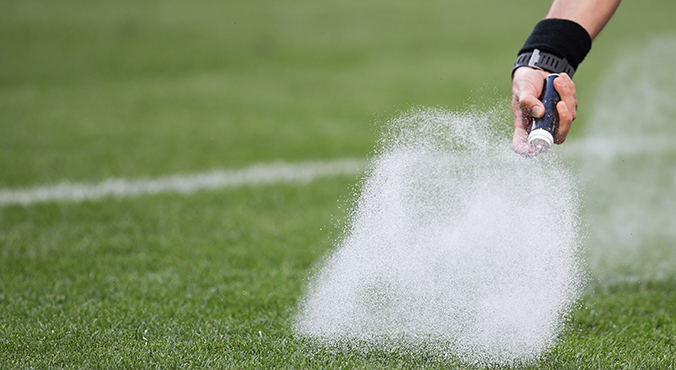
x=259 y=174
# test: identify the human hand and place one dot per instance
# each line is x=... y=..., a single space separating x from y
x=526 y=88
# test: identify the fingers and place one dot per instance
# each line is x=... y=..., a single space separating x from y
x=567 y=107
x=526 y=89
x=522 y=124
x=520 y=141
x=565 y=121
x=531 y=106
x=521 y=121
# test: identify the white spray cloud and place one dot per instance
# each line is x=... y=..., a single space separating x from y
x=456 y=246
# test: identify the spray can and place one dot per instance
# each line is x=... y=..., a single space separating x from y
x=543 y=130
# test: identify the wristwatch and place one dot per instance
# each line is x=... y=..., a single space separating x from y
x=545 y=61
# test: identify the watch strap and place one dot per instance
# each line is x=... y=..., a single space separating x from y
x=545 y=61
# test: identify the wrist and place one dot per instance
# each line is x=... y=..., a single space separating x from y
x=555 y=45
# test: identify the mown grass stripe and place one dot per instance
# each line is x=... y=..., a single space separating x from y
x=258 y=174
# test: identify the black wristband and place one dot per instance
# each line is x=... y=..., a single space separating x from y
x=562 y=38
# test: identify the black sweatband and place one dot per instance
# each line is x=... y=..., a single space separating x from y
x=561 y=37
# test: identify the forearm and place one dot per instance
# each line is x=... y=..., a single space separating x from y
x=592 y=15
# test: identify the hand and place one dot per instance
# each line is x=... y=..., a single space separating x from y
x=526 y=88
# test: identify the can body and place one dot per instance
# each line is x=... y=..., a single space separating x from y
x=544 y=128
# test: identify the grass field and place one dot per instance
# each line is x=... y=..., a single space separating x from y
x=92 y=90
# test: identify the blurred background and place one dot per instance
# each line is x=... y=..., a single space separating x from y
x=91 y=89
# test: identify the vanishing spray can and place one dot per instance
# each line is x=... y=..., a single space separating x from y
x=543 y=130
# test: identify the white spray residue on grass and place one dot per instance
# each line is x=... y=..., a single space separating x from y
x=457 y=246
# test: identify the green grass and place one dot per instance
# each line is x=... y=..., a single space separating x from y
x=98 y=89
x=165 y=280
x=211 y=281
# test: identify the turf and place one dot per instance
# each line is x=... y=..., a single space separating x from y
x=179 y=282
x=98 y=89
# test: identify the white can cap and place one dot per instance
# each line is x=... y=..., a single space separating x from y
x=541 y=139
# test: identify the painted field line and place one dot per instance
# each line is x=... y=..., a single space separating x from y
x=259 y=174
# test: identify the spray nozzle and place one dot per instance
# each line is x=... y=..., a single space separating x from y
x=541 y=139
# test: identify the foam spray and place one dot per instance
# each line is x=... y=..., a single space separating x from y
x=455 y=248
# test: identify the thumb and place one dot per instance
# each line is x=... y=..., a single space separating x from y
x=531 y=105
